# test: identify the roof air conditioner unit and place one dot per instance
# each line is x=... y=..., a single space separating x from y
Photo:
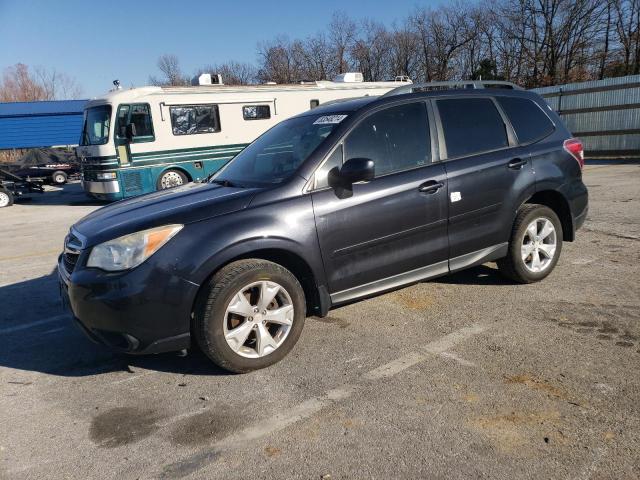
x=349 y=77
x=207 y=79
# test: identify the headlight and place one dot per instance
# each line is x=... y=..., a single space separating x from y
x=131 y=250
x=106 y=175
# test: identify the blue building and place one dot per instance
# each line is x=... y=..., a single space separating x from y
x=40 y=124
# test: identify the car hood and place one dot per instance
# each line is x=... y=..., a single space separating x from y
x=190 y=203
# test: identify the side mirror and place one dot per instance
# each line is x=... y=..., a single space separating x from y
x=357 y=170
x=130 y=131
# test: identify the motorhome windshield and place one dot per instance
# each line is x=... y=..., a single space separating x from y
x=278 y=153
x=97 y=121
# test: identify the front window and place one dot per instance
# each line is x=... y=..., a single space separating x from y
x=139 y=115
x=97 y=121
x=279 y=152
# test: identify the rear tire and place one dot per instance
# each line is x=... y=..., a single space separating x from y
x=171 y=178
x=59 y=178
x=250 y=315
x=6 y=198
x=534 y=246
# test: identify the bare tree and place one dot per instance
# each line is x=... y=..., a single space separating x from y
x=371 y=53
x=20 y=84
x=233 y=73
x=342 y=31
x=171 y=74
x=530 y=42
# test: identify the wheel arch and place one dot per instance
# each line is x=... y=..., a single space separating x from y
x=316 y=297
x=557 y=202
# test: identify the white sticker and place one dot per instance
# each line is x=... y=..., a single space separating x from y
x=455 y=197
x=329 y=119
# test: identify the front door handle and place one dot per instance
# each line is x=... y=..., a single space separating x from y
x=430 y=187
x=517 y=163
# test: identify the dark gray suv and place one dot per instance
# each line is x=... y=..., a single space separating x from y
x=345 y=201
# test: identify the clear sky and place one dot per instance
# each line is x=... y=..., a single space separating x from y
x=98 y=41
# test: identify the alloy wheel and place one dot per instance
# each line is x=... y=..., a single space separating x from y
x=258 y=319
x=4 y=199
x=539 y=245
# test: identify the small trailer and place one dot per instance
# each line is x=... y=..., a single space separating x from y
x=13 y=187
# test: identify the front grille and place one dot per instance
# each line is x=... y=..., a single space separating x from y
x=69 y=261
x=71 y=253
x=132 y=182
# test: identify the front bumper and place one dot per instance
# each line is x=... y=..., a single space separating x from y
x=108 y=186
x=145 y=310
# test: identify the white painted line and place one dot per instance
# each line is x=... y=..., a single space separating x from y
x=310 y=407
x=449 y=341
x=37 y=323
x=393 y=368
x=437 y=347
x=458 y=359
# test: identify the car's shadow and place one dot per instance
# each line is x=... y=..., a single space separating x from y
x=37 y=335
x=480 y=275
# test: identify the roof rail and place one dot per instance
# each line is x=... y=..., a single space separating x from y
x=453 y=84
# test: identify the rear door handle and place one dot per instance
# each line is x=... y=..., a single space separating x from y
x=517 y=163
x=430 y=187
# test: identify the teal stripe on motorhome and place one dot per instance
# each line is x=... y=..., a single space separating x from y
x=184 y=158
x=195 y=149
x=137 y=156
x=139 y=165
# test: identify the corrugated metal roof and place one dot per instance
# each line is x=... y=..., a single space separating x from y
x=53 y=107
x=40 y=124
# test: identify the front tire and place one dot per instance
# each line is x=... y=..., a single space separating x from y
x=534 y=246
x=250 y=316
x=170 y=179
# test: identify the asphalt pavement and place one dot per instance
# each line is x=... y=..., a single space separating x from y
x=467 y=376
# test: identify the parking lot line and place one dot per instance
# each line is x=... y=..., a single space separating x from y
x=311 y=406
x=37 y=323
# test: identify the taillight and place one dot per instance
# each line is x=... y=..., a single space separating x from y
x=574 y=147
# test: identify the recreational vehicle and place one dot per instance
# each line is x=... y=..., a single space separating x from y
x=145 y=139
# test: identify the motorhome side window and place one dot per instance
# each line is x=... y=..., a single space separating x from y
x=256 y=112
x=194 y=119
x=139 y=115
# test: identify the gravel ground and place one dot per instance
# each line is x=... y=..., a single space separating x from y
x=463 y=377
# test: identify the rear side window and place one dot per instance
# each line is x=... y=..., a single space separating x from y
x=471 y=125
x=527 y=118
x=396 y=139
x=193 y=119
x=256 y=112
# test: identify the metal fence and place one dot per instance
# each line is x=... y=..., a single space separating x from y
x=604 y=114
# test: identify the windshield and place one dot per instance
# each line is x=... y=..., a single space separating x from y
x=96 y=125
x=278 y=153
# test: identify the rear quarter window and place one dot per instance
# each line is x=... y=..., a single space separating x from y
x=527 y=118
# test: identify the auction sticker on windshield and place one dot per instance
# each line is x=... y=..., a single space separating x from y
x=329 y=119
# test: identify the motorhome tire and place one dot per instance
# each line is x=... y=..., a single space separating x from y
x=171 y=178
